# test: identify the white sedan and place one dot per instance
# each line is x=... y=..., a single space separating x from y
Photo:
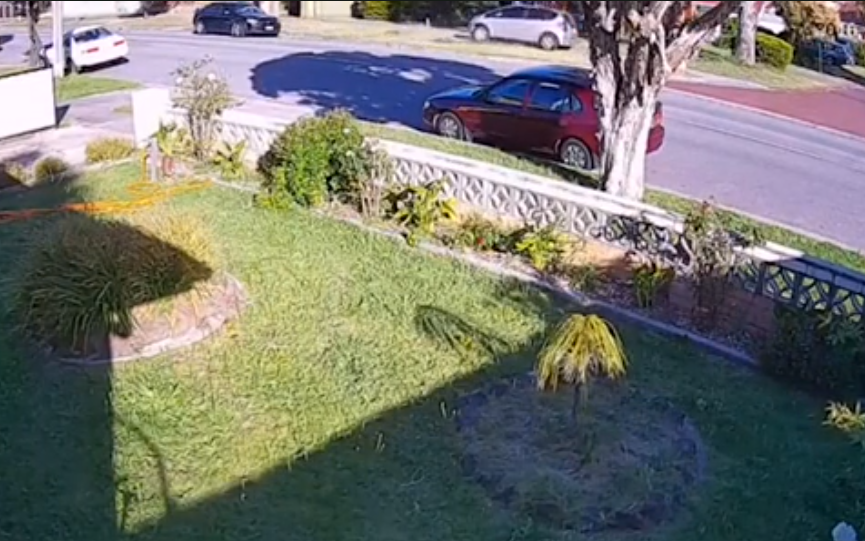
x=90 y=46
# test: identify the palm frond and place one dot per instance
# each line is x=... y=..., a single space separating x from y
x=581 y=347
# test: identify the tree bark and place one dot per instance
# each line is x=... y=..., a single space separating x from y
x=746 y=46
x=35 y=53
x=635 y=47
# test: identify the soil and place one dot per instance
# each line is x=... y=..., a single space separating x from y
x=166 y=326
x=627 y=464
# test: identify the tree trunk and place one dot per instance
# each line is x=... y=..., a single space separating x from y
x=746 y=46
x=625 y=140
x=35 y=54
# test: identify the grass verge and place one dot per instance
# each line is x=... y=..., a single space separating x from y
x=75 y=87
x=681 y=205
x=327 y=412
x=720 y=62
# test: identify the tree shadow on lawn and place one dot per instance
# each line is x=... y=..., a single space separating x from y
x=375 y=88
x=58 y=425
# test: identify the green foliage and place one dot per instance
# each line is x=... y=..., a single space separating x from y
x=713 y=245
x=229 y=160
x=479 y=233
x=109 y=149
x=542 y=246
x=582 y=347
x=81 y=281
x=203 y=94
x=12 y=173
x=317 y=158
x=50 y=169
x=438 y=12
x=818 y=351
x=378 y=10
x=729 y=35
x=420 y=209
x=809 y=20
x=774 y=51
x=850 y=421
x=859 y=49
x=172 y=140
x=650 y=282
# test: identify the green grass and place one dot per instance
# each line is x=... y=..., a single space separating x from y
x=326 y=412
x=681 y=205
x=717 y=61
x=75 y=87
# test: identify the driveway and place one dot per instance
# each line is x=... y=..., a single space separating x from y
x=783 y=171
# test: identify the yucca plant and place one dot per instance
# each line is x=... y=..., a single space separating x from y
x=172 y=141
x=229 y=159
x=581 y=348
x=420 y=209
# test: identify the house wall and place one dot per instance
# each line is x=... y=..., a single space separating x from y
x=84 y=9
x=325 y=9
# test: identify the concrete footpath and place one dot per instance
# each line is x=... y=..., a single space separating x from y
x=840 y=109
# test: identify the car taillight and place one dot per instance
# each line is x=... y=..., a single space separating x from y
x=659 y=115
x=119 y=43
x=92 y=50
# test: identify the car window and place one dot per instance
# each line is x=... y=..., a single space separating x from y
x=554 y=97
x=510 y=92
x=212 y=9
x=537 y=14
x=91 y=34
x=512 y=13
x=251 y=11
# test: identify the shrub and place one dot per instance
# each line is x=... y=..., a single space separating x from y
x=420 y=209
x=14 y=173
x=109 y=149
x=729 y=35
x=774 y=51
x=50 y=169
x=817 y=351
x=376 y=10
x=315 y=159
x=859 y=49
x=204 y=94
x=82 y=280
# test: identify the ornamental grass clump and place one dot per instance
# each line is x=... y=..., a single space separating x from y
x=86 y=278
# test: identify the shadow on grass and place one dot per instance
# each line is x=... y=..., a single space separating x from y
x=58 y=424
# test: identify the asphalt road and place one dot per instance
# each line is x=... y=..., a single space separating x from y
x=779 y=170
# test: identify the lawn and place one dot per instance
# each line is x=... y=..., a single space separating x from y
x=674 y=203
x=75 y=87
x=327 y=411
x=717 y=61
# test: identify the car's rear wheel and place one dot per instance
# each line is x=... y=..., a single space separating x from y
x=575 y=153
x=481 y=33
x=238 y=30
x=449 y=125
x=548 y=42
x=200 y=28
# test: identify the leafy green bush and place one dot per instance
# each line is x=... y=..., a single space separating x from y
x=82 y=280
x=859 y=49
x=50 y=169
x=729 y=35
x=314 y=159
x=774 y=51
x=817 y=351
x=109 y=149
x=377 y=10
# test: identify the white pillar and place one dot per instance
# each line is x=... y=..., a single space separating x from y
x=59 y=60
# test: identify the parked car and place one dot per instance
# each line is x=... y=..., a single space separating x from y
x=550 y=29
x=548 y=110
x=827 y=53
x=89 y=47
x=238 y=19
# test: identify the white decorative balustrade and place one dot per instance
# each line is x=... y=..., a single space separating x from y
x=777 y=272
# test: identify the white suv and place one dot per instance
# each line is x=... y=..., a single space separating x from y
x=548 y=28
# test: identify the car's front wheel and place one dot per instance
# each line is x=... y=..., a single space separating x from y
x=200 y=28
x=575 y=153
x=481 y=33
x=549 y=42
x=449 y=125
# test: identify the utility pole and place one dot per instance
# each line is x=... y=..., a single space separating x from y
x=59 y=51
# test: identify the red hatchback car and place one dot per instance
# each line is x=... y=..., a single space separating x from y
x=546 y=110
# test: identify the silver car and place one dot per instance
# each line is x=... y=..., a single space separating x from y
x=550 y=29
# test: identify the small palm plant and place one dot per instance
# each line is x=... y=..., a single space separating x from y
x=582 y=347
